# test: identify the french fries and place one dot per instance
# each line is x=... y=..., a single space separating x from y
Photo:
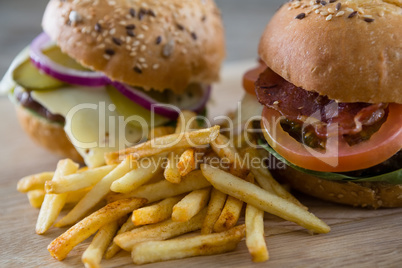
x=167 y=144
x=77 y=181
x=171 y=172
x=138 y=176
x=61 y=246
x=262 y=199
x=113 y=248
x=190 y=205
x=255 y=239
x=92 y=256
x=36 y=197
x=216 y=203
x=95 y=195
x=34 y=182
x=154 y=251
x=155 y=213
x=160 y=231
x=187 y=162
x=164 y=189
x=54 y=203
x=230 y=214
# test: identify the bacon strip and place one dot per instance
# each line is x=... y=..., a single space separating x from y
x=298 y=104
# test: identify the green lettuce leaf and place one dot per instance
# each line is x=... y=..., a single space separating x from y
x=394 y=177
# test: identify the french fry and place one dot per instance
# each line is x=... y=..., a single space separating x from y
x=36 y=198
x=255 y=239
x=267 y=182
x=210 y=244
x=92 y=256
x=54 y=203
x=159 y=231
x=160 y=132
x=78 y=181
x=95 y=195
x=262 y=199
x=230 y=215
x=76 y=196
x=171 y=172
x=61 y=246
x=155 y=213
x=187 y=162
x=34 y=182
x=167 y=144
x=145 y=170
x=113 y=248
x=215 y=206
x=164 y=189
x=190 y=205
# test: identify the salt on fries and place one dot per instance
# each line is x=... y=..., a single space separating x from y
x=155 y=207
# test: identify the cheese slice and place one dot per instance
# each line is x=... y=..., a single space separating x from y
x=248 y=110
x=92 y=123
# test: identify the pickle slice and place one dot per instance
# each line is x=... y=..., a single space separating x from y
x=28 y=76
x=128 y=108
x=55 y=54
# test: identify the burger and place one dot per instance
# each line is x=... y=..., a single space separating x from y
x=104 y=72
x=330 y=99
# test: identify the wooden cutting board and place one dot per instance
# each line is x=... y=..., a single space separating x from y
x=359 y=237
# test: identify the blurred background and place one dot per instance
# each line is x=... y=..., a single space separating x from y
x=20 y=22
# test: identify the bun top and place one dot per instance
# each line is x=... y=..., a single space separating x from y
x=350 y=51
x=154 y=44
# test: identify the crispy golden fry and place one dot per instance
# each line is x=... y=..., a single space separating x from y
x=113 y=249
x=155 y=213
x=167 y=144
x=61 y=246
x=92 y=256
x=267 y=182
x=159 y=231
x=78 y=181
x=146 y=170
x=171 y=172
x=210 y=244
x=224 y=149
x=54 y=203
x=164 y=189
x=230 y=214
x=255 y=239
x=34 y=182
x=190 y=205
x=95 y=195
x=215 y=206
x=36 y=198
x=263 y=199
x=187 y=162
x=76 y=196
x=157 y=132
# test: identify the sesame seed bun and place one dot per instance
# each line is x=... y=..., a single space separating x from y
x=48 y=135
x=367 y=194
x=151 y=44
x=348 y=50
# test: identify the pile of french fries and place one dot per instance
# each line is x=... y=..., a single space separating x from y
x=148 y=196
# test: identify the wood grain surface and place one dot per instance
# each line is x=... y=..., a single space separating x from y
x=359 y=237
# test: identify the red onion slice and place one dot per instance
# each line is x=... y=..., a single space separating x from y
x=64 y=74
x=168 y=110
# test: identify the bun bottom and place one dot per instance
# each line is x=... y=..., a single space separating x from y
x=366 y=194
x=46 y=134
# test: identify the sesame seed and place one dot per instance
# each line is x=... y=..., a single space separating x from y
x=317 y=11
x=110 y=52
x=158 y=40
x=141 y=13
x=144 y=66
x=151 y=13
x=368 y=20
x=156 y=66
x=340 y=13
x=332 y=1
x=338 y=6
x=324 y=13
x=368 y=16
x=112 y=31
x=130 y=33
x=117 y=41
x=130 y=27
x=300 y=16
x=141 y=36
x=351 y=15
x=143 y=48
x=75 y=16
x=328 y=18
x=180 y=27
x=324 y=3
x=331 y=10
x=145 y=27
x=194 y=35
x=141 y=59
x=98 y=27
x=276 y=103
x=316 y=7
x=168 y=48
x=132 y=12
x=137 y=70
x=350 y=9
x=107 y=57
x=317 y=1
x=136 y=43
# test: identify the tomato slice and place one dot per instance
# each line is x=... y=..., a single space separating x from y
x=251 y=76
x=339 y=156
